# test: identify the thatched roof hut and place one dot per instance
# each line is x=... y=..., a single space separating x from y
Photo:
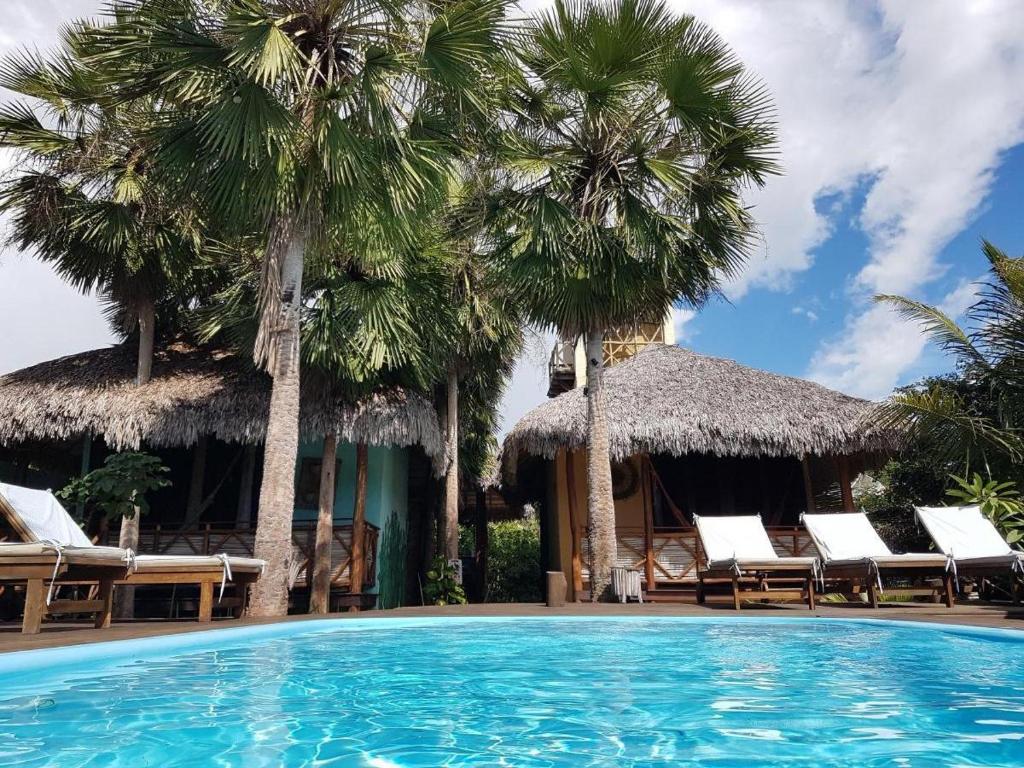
x=193 y=392
x=673 y=401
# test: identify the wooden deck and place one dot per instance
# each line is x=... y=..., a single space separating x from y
x=63 y=634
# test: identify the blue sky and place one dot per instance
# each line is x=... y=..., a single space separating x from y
x=901 y=125
x=782 y=330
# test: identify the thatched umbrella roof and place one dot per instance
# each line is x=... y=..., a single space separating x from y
x=193 y=392
x=670 y=400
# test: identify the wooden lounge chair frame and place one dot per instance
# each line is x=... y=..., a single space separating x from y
x=38 y=571
x=164 y=572
x=756 y=583
x=860 y=574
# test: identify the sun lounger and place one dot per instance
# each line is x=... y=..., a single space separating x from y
x=37 y=516
x=970 y=538
x=45 y=566
x=738 y=551
x=851 y=550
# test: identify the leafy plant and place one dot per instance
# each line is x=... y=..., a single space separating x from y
x=513 y=561
x=119 y=487
x=442 y=587
x=1000 y=502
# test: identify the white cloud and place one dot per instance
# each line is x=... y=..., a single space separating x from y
x=810 y=314
x=681 y=317
x=912 y=103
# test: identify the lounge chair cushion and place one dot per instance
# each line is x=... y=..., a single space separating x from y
x=729 y=538
x=963 y=532
x=848 y=539
x=152 y=563
x=43 y=516
x=846 y=536
x=84 y=555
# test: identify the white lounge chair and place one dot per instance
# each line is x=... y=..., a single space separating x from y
x=37 y=516
x=738 y=551
x=974 y=544
x=851 y=550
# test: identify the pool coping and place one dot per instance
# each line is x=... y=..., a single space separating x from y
x=24 y=662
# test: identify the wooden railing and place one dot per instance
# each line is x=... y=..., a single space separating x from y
x=677 y=556
x=211 y=538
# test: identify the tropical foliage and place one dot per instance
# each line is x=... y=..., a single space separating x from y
x=442 y=587
x=999 y=502
x=119 y=487
x=975 y=417
x=319 y=127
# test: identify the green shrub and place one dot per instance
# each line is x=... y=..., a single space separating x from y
x=513 y=561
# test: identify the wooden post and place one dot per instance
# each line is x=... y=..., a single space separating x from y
x=645 y=479
x=206 y=601
x=808 y=485
x=843 y=465
x=243 y=513
x=320 y=584
x=481 y=543
x=359 y=523
x=106 y=596
x=574 y=527
x=194 y=507
x=35 y=607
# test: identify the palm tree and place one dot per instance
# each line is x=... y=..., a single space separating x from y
x=483 y=339
x=619 y=186
x=300 y=119
x=979 y=414
x=84 y=201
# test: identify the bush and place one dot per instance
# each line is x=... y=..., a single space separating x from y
x=513 y=561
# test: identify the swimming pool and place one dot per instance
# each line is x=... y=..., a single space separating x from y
x=573 y=691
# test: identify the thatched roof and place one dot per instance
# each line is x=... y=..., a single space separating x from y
x=671 y=400
x=193 y=392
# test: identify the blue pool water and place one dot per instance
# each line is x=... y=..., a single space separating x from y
x=524 y=692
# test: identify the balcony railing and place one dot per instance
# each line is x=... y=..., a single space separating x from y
x=677 y=555
x=211 y=538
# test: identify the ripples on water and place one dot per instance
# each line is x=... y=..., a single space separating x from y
x=541 y=693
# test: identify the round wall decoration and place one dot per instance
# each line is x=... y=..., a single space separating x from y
x=625 y=479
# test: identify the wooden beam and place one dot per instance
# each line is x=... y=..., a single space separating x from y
x=574 y=527
x=359 y=522
x=808 y=485
x=320 y=583
x=194 y=506
x=645 y=480
x=843 y=465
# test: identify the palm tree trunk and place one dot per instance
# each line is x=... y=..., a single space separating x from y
x=451 y=480
x=320 y=594
x=600 y=503
x=277 y=492
x=357 y=572
x=124 y=596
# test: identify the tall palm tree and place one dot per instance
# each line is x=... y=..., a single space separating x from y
x=484 y=330
x=300 y=119
x=980 y=416
x=638 y=129
x=84 y=201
